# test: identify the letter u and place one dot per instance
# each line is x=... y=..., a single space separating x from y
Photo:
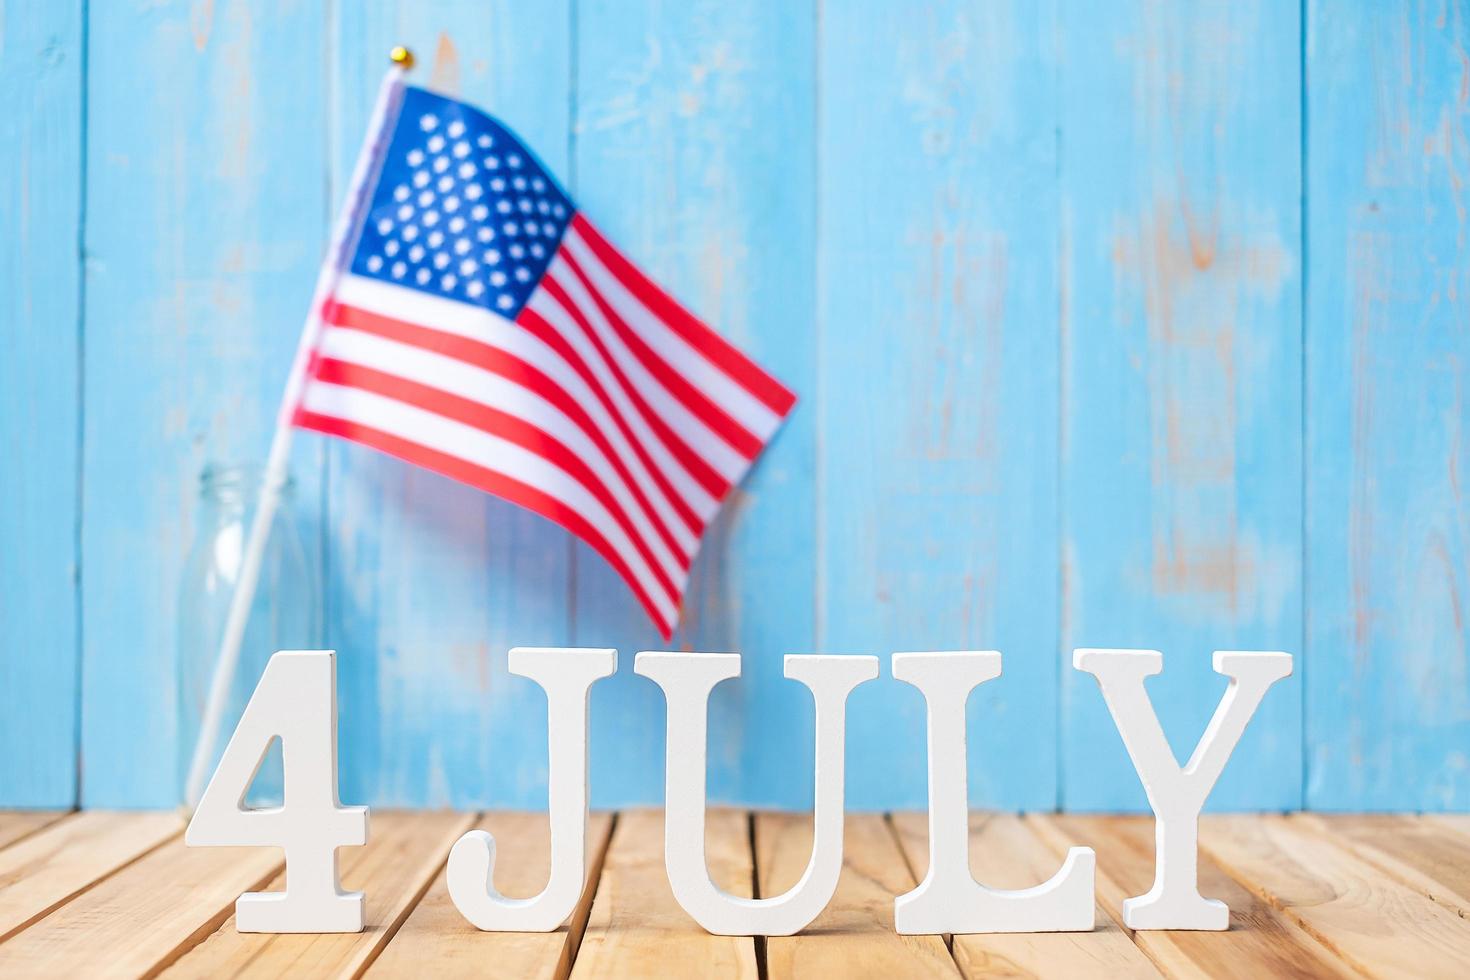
x=687 y=679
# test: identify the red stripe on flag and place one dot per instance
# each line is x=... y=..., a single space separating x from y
x=489 y=481
x=507 y=427
x=719 y=421
x=720 y=351
x=715 y=484
x=700 y=471
x=512 y=368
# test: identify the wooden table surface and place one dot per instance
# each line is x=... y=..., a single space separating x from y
x=118 y=894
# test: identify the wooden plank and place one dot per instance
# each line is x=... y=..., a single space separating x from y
x=138 y=921
x=854 y=935
x=1388 y=359
x=436 y=941
x=1006 y=853
x=40 y=399
x=44 y=870
x=206 y=213
x=637 y=929
x=18 y=824
x=1367 y=917
x=435 y=578
x=1261 y=941
x=1429 y=856
x=403 y=854
x=939 y=375
x=1458 y=822
x=694 y=153
x=1182 y=392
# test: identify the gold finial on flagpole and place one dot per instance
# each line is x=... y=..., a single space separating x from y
x=401 y=56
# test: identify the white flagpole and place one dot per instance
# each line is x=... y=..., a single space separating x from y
x=344 y=233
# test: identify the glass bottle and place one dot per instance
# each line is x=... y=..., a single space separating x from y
x=284 y=615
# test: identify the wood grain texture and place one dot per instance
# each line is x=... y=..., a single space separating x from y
x=403 y=854
x=1181 y=451
x=694 y=153
x=1006 y=853
x=429 y=581
x=138 y=921
x=46 y=869
x=436 y=940
x=854 y=935
x=205 y=221
x=1310 y=897
x=1368 y=918
x=1424 y=854
x=1261 y=942
x=1388 y=519
x=19 y=824
x=1458 y=822
x=637 y=929
x=938 y=376
x=41 y=88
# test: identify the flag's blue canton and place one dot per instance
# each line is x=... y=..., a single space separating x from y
x=462 y=210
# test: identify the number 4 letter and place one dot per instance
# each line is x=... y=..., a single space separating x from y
x=296 y=700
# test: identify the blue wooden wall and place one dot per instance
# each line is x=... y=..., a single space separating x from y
x=1114 y=324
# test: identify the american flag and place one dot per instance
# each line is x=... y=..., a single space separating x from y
x=483 y=328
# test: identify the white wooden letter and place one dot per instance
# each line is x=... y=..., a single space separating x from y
x=296 y=700
x=687 y=679
x=949 y=900
x=567 y=676
x=1177 y=795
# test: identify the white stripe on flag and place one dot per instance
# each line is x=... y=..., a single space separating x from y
x=698 y=436
x=550 y=310
x=475 y=323
x=490 y=452
x=748 y=410
x=483 y=387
